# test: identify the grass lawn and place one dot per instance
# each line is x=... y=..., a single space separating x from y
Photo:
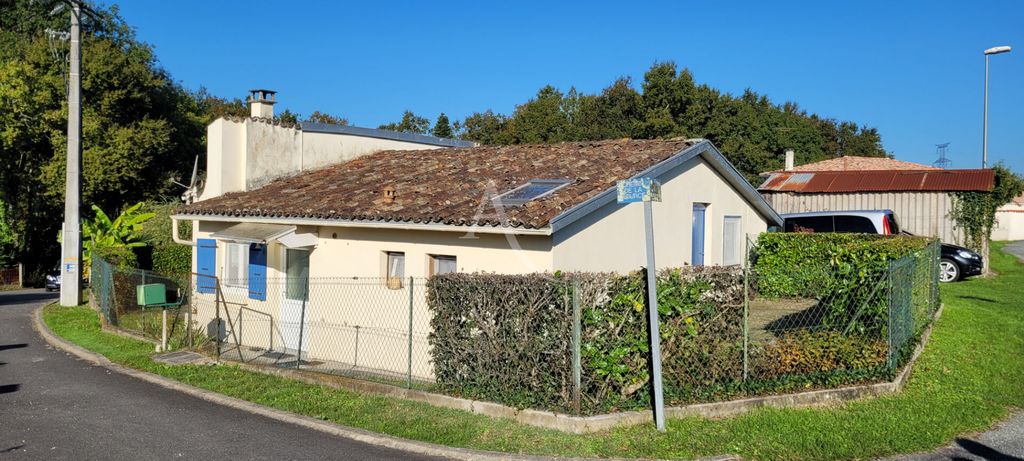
x=968 y=378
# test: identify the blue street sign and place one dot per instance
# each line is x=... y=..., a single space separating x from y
x=639 y=190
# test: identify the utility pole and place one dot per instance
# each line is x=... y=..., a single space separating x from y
x=71 y=248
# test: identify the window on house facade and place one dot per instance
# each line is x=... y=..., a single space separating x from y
x=236 y=265
x=532 y=190
x=441 y=264
x=395 y=269
x=732 y=241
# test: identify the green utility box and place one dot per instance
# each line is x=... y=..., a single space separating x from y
x=151 y=294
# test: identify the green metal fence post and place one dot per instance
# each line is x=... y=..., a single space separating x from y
x=408 y=375
x=889 y=305
x=576 y=339
x=746 y=308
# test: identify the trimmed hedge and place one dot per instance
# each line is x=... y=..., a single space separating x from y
x=504 y=338
x=508 y=338
x=799 y=264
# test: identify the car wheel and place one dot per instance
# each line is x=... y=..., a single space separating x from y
x=948 y=271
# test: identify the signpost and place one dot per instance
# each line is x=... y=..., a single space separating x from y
x=648 y=190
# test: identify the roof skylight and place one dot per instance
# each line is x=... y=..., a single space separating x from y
x=532 y=190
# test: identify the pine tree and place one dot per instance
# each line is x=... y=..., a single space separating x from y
x=442 y=128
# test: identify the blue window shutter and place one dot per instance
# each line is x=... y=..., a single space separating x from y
x=206 y=262
x=258 y=272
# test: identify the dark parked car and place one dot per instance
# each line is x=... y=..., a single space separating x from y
x=955 y=263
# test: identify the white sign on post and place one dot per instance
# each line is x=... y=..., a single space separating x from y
x=648 y=190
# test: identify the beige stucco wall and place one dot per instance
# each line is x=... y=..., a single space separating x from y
x=920 y=213
x=247 y=154
x=349 y=302
x=612 y=239
x=1009 y=223
x=322 y=149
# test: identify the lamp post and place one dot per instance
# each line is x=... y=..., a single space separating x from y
x=984 y=136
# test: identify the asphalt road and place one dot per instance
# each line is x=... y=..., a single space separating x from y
x=54 y=406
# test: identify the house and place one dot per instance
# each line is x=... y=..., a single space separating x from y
x=244 y=153
x=513 y=209
x=1009 y=223
x=920 y=195
x=343 y=250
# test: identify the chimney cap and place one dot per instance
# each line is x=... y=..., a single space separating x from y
x=260 y=94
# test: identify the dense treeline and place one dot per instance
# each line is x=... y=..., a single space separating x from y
x=141 y=129
x=751 y=130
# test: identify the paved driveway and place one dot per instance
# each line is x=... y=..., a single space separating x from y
x=54 y=406
x=1016 y=248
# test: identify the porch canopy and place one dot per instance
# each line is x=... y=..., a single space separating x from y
x=262 y=233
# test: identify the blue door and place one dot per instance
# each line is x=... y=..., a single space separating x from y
x=698 y=234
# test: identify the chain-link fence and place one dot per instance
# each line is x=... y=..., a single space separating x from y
x=574 y=343
x=369 y=328
x=115 y=293
x=832 y=322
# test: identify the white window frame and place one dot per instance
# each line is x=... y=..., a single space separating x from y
x=231 y=265
x=737 y=240
x=394 y=281
x=434 y=262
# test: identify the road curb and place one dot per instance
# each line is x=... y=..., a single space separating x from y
x=359 y=435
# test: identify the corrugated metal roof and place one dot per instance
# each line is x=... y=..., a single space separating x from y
x=880 y=181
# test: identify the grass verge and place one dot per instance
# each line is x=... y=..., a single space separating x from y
x=968 y=377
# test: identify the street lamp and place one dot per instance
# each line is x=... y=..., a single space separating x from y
x=984 y=137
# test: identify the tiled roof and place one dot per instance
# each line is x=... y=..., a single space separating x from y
x=854 y=163
x=879 y=181
x=447 y=185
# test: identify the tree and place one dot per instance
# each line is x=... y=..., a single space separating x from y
x=487 y=128
x=543 y=119
x=410 y=123
x=140 y=127
x=115 y=238
x=8 y=240
x=442 y=128
x=322 y=117
x=613 y=114
x=287 y=117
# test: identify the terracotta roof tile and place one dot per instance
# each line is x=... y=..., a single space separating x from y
x=447 y=185
x=854 y=163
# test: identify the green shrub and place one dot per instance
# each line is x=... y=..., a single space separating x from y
x=798 y=264
x=701 y=324
x=167 y=257
x=172 y=259
x=504 y=338
x=508 y=338
x=845 y=272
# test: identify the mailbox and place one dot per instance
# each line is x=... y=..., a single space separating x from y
x=152 y=294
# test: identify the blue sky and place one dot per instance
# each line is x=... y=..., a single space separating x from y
x=914 y=70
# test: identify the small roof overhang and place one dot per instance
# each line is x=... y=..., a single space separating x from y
x=250 y=232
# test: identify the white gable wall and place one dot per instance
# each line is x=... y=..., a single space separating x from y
x=247 y=154
x=612 y=238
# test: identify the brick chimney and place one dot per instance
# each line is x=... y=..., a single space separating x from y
x=261 y=103
x=789 y=160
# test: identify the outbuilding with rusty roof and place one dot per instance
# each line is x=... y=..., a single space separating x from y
x=921 y=196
